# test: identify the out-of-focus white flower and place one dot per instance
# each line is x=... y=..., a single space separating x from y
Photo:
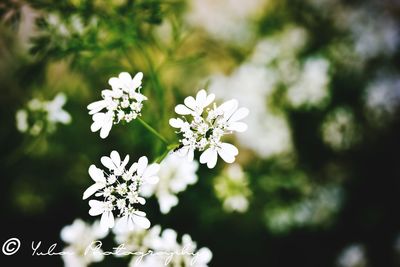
x=78 y=236
x=202 y=129
x=311 y=87
x=168 y=252
x=42 y=116
x=352 y=256
x=232 y=188
x=120 y=189
x=382 y=98
x=318 y=208
x=55 y=112
x=164 y=246
x=372 y=34
x=228 y=20
x=339 y=130
x=269 y=132
x=22 y=120
x=175 y=174
x=122 y=103
x=279 y=47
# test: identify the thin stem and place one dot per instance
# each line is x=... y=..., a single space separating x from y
x=153 y=131
x=163 y=155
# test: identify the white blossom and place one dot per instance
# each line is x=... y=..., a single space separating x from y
x=175 y=174
x=78 y=236
x=311 y=86
x=269 y=132
x=382 y=97
x=202 y=127
x=41 y=116
x=120 y=190
x=122 y=103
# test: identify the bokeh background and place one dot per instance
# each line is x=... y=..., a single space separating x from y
x=317 y=180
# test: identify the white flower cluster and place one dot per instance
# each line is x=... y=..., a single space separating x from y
x=202 y=128
x=122 y=103
x=175 y=174
x=166 y=250
x=42 y=116
x=120 y=190
x=79 y=235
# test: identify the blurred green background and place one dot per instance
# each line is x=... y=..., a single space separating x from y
x=319 y=165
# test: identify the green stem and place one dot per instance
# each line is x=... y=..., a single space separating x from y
x=163 y=155
x=153 y=131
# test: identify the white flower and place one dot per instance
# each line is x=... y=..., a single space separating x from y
x=42 y=116
x=311 y=87
x=21 y=118
x=175 y=174
x=202 y=128
x=122 y=103
x=55 y=113
x=120 y=189
x=78 y=236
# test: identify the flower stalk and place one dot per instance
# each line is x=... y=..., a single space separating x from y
x=153 y=131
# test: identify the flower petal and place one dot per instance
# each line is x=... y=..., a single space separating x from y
x=96 y=174
x=107 y=220
x=237 y=126
x=239 y=114
x=209 y=156
x=190 y=102
x=107 y=125
x=151 y=170
x=183 y=110
x=228 y=107
x=209 y=100
x=98 y=119
x=107 y=162
x=201 y=98
x=96 y=207
x=115 y=83
x=97 y=106
x=142 y=222
x=92 y=189
x=137 y=80
x=115 y=158
x=228 y=152
x=142 y=165
x=190 y=154
x=176 y=123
